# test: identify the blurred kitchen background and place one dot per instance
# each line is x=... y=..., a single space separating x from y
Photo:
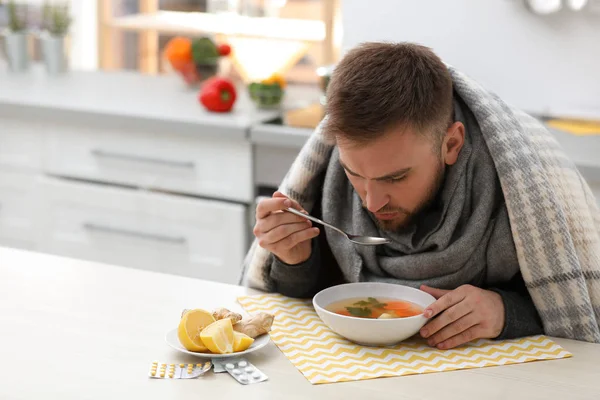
x=107 y=155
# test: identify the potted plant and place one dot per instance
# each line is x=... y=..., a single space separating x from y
x=15 y=39
x=56 y=23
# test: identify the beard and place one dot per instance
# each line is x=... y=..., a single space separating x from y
x=408 y=217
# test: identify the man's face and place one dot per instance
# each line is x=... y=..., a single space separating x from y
x=398 y=174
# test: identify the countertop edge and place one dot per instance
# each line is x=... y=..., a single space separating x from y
x=232 y=130
x=279 y=135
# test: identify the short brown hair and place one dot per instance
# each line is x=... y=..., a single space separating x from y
x=380 y=86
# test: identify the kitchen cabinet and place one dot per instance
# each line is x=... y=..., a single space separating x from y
x=140 y=229
x=164 y=202
x=217 y=168
x=128 y=170
x=20 y=144
x=18 y=196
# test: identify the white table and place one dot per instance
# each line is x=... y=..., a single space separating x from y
x=72 y=329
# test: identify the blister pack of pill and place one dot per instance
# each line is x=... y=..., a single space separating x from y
x=160 y=370
x=241 y=370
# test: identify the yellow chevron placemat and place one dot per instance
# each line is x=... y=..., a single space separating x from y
x=324 y=357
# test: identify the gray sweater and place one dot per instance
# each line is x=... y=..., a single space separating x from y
x=319 y=271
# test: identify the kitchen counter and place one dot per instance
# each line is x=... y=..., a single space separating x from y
x=126 y=169
x=152 y=103
x=81 y=330
x=121 y=99
x=278 y=134
x=94 y=160
x=159 y=102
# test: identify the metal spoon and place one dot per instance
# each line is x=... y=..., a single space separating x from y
x=364 y=240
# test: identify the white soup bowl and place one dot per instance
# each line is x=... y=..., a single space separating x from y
x=368 y=331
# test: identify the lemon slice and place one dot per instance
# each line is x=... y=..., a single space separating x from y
x=190 y=326
x=218 y=336
x=241 y=342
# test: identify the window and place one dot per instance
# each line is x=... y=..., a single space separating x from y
x=293 y=37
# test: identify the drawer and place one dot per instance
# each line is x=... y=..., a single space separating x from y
x=17 y=209
x=20 y=144
x=157 y=232
x=179 y=163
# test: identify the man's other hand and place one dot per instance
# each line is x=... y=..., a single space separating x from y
x=462 y=315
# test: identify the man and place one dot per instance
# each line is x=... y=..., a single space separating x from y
x=409 y=160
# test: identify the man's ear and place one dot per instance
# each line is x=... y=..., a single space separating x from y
x=453 y=143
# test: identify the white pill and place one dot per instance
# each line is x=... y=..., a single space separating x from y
x=229 y=366
x=236 y=371
x=249 y=369
x=256 y=375
x=242 y=364
x=243 y=379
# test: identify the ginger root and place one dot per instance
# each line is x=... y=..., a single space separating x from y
x=256 y=325
x=222 y=313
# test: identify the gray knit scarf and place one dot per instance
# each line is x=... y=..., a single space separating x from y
x=464 y=238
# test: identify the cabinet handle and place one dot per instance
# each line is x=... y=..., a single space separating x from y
x=149 y=160
x=144 y=235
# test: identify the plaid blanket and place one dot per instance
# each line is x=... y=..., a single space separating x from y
x=554 y=216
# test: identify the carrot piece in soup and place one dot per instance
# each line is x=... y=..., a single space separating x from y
x=403 y=309
x=397 y=305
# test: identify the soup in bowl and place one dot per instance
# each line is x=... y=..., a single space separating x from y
x=373 y=314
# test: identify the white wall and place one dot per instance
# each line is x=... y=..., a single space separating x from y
x=543 y=64
x=84 y=47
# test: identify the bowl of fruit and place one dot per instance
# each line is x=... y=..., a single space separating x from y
x=196 y=60
x=268 y=93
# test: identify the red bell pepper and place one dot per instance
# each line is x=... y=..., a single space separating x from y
x=217 y=94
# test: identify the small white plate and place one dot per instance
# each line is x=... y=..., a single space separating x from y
x=173 y=341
